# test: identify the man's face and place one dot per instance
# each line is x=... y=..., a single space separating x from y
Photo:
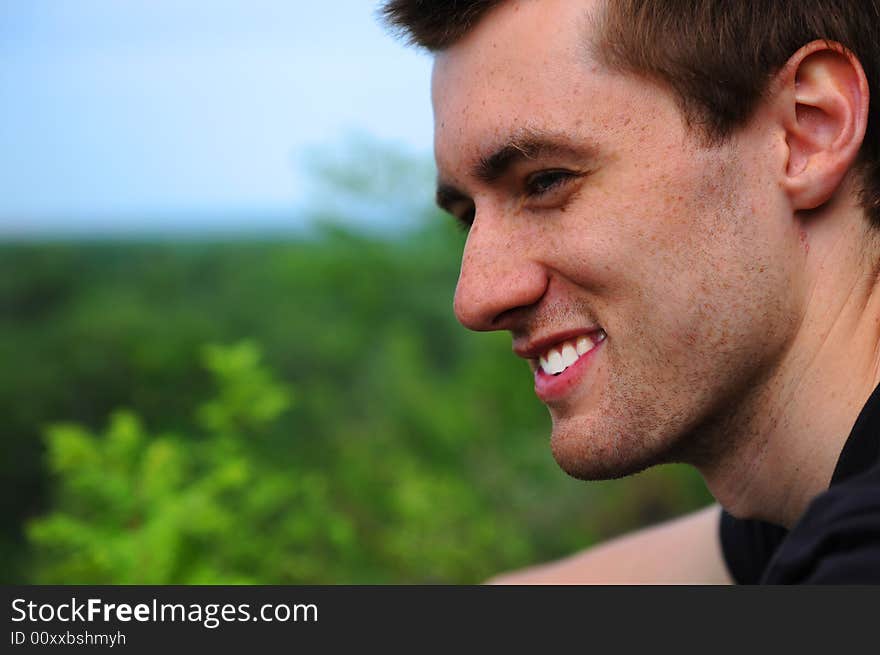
x=607 y=238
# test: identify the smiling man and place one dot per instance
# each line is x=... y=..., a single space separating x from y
x=674 y=209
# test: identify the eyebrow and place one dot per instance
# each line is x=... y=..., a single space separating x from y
x=491 y=167
x=525 y=146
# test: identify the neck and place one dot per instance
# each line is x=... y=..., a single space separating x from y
x=784 y=440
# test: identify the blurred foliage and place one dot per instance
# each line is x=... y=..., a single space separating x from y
x=135 y=508
x=350 y=431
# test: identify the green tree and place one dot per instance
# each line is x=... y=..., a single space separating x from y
x=135 y=508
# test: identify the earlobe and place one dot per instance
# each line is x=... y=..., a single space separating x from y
x=824 y=93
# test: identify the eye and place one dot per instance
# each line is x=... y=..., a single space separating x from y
x=543 y=182
x=464 y=217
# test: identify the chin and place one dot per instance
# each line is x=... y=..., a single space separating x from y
x=590 y=452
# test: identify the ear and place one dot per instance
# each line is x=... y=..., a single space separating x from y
x=823 y=96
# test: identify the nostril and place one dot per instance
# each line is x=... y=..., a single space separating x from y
x=509 y=317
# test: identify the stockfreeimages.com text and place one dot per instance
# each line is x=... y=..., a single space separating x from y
x=210 y=615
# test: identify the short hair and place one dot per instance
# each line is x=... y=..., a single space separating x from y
x=717 y=56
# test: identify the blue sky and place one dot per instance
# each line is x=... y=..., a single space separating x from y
x=116 y=114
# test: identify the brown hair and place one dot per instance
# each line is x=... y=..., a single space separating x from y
x=717 y=56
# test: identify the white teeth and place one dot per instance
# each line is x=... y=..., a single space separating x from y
x=559 y=358
x=584 y=345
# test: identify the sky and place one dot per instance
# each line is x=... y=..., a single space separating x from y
x=168 y=114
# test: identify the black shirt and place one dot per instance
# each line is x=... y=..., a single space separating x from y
x=837 y=540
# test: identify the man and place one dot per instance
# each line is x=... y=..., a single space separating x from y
x=674 y=209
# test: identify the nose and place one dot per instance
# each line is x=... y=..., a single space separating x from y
x=499 y=276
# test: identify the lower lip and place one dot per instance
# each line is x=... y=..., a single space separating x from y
x=550 y=388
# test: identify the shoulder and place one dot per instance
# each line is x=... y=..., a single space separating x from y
x=837 y=541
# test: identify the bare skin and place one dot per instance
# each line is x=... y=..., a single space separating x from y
x=735 y=284
x=676 y=552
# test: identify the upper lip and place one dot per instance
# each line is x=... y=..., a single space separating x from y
x=532 y=348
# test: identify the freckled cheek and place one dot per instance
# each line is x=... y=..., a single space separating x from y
x=648 y=261
x=669 y=215
x=638 y=230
